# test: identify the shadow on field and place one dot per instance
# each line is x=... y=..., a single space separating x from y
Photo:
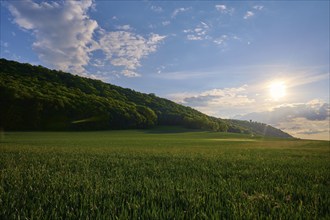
x=169 y=130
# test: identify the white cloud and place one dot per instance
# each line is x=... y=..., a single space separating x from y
x=248 y=15
x=204 y=25
x=216 y=101
x=258 y=7
x=130 y=73
x=198 y=33
x=221 y=40
x=154 y=39
x=194 y=37
x=203 y=32
x=64 y=36
x=157 y=9
x=224 y=9
x=63 y=31
x=179 y=10
x=125 y=27
x=160 y=69
x=307 y=129
x=126 y=49
x=165 y=23
x=221 y=7
x=98 y=63
x=305 y=120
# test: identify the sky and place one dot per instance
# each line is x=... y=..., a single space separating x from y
x=265 y=61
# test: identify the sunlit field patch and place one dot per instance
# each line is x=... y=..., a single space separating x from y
x=233 y=139
x=182 y=175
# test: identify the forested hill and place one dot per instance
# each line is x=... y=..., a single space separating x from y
x=37 y=98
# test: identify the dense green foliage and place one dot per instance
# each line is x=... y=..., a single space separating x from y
x=156 y=174
x=36 y=98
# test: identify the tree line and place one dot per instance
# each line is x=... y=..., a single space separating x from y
x=37 y=98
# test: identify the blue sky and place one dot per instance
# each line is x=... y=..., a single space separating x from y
x=225 y=59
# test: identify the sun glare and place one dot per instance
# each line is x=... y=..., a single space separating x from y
x=277 y=90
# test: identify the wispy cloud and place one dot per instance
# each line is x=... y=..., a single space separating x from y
x=126 y=49
x=304 y=79
x=98 y=63
x=182 y=75
x=179 y=10
x=157 y=9
x=226 y=96
x=69 y=47
x=253 y=11
x=258 y=7
x=4 y=48
x=215 y=101
x=224 y=9
x=204 y=31
x=125 y=27
x=300 y=78
x=130 y=73
x=194 y=37
x=197 y=33
x=165 y=23
x=248 y=14
x=221 y=40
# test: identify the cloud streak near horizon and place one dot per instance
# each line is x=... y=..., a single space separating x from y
x=304 y=120
x=299 y=119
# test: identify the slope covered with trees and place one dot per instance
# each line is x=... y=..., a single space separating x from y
x=37 y=98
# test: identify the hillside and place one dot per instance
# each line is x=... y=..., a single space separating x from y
x=37 y=98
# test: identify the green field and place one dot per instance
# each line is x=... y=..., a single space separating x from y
x=162 y=174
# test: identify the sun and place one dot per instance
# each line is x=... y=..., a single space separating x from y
x=277 y=90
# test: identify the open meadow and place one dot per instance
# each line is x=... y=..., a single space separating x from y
x=162 y=174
